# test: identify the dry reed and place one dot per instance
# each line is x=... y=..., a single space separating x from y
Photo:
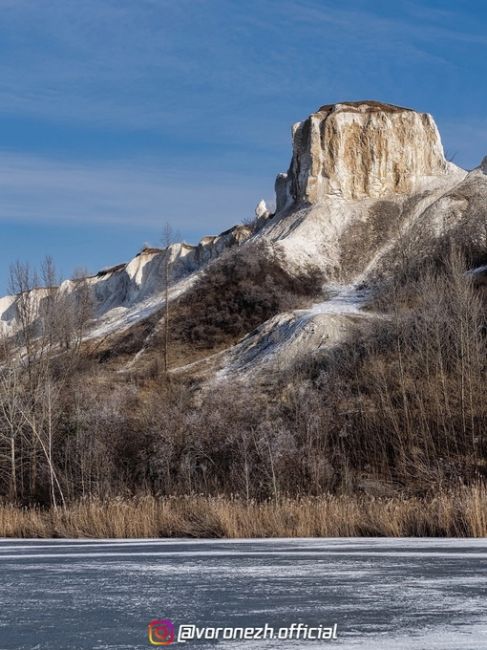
x=453 y=513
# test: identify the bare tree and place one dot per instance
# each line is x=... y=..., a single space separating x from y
x=167 y=240
x=83 y=304
x=11 y=422
x=22 y=283
x=40 y=416
x=51 y=318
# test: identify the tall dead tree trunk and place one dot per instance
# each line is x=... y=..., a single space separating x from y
x=167 y=241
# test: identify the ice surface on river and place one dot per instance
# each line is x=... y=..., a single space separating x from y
x=382 y=593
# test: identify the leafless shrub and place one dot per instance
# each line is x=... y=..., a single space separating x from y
x=238 y=292
x=406 y=393
x=397 y=411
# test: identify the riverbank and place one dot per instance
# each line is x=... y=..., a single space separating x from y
x=450 y=513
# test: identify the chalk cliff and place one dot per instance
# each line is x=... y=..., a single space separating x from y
x=365 y=179
x=360 y=149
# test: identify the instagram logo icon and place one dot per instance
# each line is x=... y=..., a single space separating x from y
x=161 y=632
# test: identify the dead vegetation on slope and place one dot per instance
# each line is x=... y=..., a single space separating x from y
x=398 y=413
x=238 y=292
x=235 y=294
x=407 y=392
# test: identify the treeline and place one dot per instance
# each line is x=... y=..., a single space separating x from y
x=71 y=426
x=398 y=408
x=37 y=362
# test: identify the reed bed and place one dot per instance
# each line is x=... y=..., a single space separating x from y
x=450 y=513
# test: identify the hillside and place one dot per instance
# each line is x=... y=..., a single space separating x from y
x=337 y=343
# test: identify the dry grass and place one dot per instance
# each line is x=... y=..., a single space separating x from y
x=458 y=513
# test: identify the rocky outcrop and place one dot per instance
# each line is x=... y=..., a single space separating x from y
x=366 y=180
x=261 y=209
x=123 y=294
x=262 y=216
x=357 y=150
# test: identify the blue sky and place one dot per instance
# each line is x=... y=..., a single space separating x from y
x=117 y=116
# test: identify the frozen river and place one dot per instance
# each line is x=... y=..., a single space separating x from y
x=380 y=593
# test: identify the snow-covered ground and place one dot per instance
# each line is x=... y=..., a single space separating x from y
x=382 y=593
x=342 y=299
x=121 y=318
x=282 y=339
x=327 y=234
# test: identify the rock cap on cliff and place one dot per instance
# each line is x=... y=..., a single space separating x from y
x=360 y=149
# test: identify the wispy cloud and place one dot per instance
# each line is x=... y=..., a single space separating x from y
x=157 y=63
x=405 y=19
x=133 y=64
x=136 y=194
x=409 y=33
x=210 y=80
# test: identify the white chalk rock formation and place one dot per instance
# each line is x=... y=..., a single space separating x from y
x=358 y=150
x=261 y=209
x=126 y=293
x=366 y=180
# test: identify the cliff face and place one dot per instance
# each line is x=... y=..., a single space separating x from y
x=123 y=294
x=366 y=180
x=357 y=150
